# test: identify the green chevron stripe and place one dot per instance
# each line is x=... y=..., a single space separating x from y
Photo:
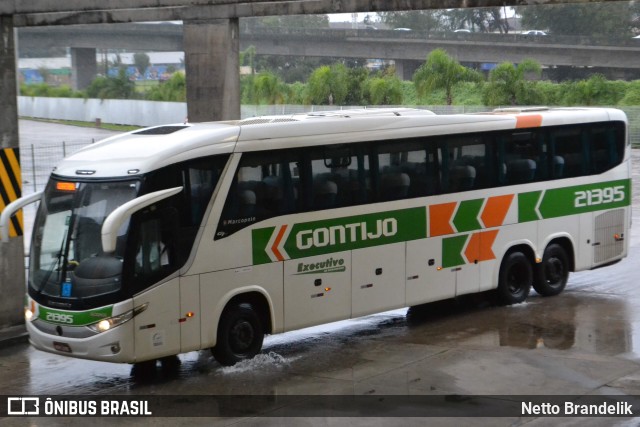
x=527 y=206
x=466 y=217
x=452 y=251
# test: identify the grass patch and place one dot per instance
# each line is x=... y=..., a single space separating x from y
x=106 y=126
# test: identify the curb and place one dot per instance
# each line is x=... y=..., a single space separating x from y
x=13 y=335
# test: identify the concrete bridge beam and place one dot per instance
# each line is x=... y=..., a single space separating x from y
x=84 y=67
x=12 y=283
x=212 y=61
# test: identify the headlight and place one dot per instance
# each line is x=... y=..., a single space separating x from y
x=111 y=322
x=30 y=312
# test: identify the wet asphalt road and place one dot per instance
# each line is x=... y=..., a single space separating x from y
x=584 y=341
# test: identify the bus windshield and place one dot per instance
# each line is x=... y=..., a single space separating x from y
x=67 y=263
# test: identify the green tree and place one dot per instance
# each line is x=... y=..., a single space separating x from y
x=386 y=90
x=481 y=20
x=508 y=84
x=592 y=19
x=328 y=85
x=596 y=90
x=172 y=90
x=269 y=89
x=440 y=71
x=357 y=80
x=632 y=95
x=419 y=20
x=141 y=61
x=112 y=87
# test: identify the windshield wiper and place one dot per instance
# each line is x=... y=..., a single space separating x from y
x=56 y=264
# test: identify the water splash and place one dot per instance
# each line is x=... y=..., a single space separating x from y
x=271 y=361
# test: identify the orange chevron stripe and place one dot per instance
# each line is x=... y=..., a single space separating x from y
x=495 y=210
x=440 y=217
x=528 y=121
x=276 y=243
x=480 y=246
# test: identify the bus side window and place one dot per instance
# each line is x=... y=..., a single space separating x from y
x=521 y=158
x=155 y=245
x=265 y=185
x=407 y=168
x=340 y=177
x=469 y=165
x=567 y=144
x=604 y=149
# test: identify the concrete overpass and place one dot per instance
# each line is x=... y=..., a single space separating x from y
x=401 y=46
x=211 y=45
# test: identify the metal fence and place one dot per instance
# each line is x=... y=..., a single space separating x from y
x=37 y=161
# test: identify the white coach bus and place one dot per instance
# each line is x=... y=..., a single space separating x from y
x=185 y=237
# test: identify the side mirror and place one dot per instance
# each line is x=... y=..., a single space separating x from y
x=11 y=209
x=116 y=218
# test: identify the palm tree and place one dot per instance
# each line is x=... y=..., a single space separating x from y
x=270 y=89
x=440 y=71
x=328 y=85
x=508 y=83
x=386 y=90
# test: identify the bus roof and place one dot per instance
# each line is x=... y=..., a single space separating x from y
x=148 y=149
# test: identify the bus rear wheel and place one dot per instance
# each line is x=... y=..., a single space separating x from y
x=516 y=276
x=552 y=274
x=240 y=335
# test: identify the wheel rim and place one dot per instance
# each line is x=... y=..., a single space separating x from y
x=554 y=271
x=241 y=336
x=517 y=279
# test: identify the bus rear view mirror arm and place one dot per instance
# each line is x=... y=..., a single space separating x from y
x=11 y=209
x=115 y=220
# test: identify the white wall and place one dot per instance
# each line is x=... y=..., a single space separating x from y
x=116 y=111
x=137 y=113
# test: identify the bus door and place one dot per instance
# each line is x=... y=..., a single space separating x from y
x=154 y=275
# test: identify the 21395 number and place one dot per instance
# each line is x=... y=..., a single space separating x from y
x=599 y=196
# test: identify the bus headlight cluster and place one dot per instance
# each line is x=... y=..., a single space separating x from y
x=111 y=322
x=30 y=312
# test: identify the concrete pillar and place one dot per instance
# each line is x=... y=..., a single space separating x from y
x=12 y=284
x=84 y=67
x=212 y=67
x=399 y=65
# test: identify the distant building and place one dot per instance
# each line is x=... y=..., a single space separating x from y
x=57 y=71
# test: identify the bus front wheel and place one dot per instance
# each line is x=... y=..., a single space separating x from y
x=516 y=277
x=240 y=335
x=552 y=274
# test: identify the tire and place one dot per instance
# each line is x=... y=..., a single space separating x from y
x=552 y=274
x=240 y=335
x=516 y=277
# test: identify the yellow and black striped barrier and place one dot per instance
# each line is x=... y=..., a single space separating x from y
x=11 y=186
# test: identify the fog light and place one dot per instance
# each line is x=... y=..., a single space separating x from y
x=28 y=314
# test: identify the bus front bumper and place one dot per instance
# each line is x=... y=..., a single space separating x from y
x=115 y=345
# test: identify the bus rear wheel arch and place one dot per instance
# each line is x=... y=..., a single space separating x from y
x=515 y=277
x=240 y=334
x=552 y=273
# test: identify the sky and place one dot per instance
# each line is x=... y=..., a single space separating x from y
x=345 y=17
